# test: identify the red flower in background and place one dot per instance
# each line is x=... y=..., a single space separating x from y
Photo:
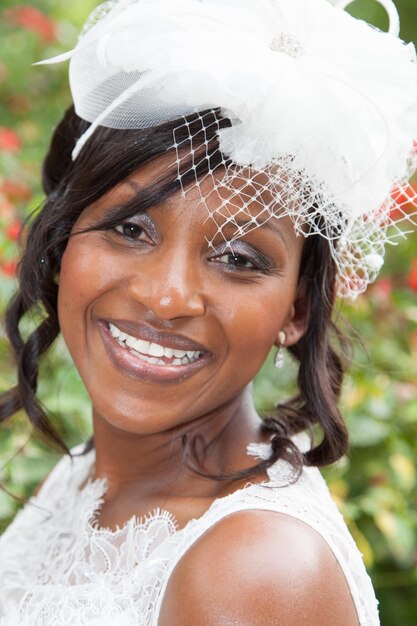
x=9 y=140
x=13 y=230
x=412 y=277
x=34 y=20
x=383 y=288
x=9 y=268
x=15 y=191
x=7 y=210
x=406 y=198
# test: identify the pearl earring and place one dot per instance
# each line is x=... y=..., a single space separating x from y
x=279 y=358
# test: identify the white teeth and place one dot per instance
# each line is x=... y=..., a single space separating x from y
x=152 y=352
x=114 y=331
x=141 y=356
x=131 y=341
x=156 y=350
x=142 y=346
x=179 y=354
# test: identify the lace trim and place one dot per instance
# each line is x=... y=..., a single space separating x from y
x=310 y=502
x=59 y=568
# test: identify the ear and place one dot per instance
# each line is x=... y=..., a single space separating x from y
x=297 y=321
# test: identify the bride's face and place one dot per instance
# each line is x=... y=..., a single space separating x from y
x=162 y=328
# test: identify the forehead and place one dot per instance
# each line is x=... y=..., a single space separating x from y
x=244 y=198
x=232 y=201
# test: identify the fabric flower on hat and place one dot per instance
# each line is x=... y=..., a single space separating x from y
x=308 y=88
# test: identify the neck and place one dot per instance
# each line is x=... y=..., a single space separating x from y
x=157 y=463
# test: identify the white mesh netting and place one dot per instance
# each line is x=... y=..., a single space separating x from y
x=239 y=199
x=322 y=112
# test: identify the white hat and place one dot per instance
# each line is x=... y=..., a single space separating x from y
x=323 y=103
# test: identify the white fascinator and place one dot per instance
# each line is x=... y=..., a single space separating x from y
x=322 y=110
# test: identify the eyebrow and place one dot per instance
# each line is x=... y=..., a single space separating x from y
x=130 y=183
x=269 y=224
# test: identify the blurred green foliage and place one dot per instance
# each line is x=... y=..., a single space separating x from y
x=376 y=486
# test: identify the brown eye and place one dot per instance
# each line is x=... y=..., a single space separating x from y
x=132 y=231
x=236 y=260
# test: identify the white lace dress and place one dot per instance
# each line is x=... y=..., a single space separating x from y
x=58 y=569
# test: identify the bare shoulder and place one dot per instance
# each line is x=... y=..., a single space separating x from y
x=258 y=568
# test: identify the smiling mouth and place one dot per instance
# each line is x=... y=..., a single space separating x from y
x=153 y=353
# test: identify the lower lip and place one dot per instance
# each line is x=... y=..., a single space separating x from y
x=134 y=367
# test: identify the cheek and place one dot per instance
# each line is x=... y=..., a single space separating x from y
x=73 y=286
x=83 y=277
x=254 y=323
x=86 y=269
x=72 y=292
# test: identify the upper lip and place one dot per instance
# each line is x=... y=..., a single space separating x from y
x=148 y=333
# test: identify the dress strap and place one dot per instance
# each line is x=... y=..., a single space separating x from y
x=299 y=502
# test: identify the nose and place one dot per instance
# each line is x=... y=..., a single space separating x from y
x=169 y=288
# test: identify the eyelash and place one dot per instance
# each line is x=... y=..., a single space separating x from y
x=131 y=225
x=257 y=260
x=235 y=261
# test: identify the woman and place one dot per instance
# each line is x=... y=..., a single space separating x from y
x=225 y=173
